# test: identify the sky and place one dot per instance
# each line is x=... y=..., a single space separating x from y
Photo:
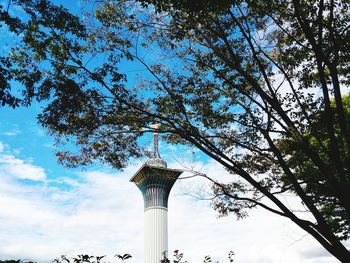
x=47 y=210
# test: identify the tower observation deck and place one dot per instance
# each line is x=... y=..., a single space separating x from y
x=155 y=181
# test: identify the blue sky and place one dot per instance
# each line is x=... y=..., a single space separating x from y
x=48 y=210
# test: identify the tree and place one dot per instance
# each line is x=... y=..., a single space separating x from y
x=312 y=181
x=237 y=80
x=6 y=97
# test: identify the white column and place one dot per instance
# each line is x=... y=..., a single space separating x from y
x=156 y=233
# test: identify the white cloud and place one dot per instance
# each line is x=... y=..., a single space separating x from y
x=97 y=216
x=262 y=237
x=102 y=213
x=12 y=166
x=2 y=147
x=13 y=132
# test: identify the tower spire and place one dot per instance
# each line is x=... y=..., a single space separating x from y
x=156 y=154
x=156 y=160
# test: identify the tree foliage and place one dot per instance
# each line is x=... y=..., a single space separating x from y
x=178 y=257
x=311 y=179
x=255 y=85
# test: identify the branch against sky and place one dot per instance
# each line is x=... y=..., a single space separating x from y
x=233 y=80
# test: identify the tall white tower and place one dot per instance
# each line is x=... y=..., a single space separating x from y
x=155 y=181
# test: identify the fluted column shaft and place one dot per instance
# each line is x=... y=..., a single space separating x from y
x=156 y=234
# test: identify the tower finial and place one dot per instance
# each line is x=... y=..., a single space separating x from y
x=156 y=160
x=155 y=154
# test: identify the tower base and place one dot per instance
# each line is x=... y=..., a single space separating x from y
x=156 y=234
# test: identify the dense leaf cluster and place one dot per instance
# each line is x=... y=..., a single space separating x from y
x=313 y=182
